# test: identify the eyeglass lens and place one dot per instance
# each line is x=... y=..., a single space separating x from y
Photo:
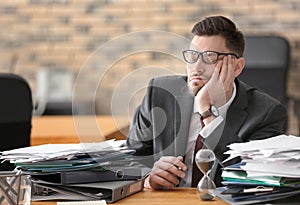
x=208 y=57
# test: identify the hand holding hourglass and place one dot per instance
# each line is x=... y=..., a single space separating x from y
x=205 y=159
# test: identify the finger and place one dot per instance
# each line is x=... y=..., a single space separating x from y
x=176 y=166
x=224 y=70
x=168 y=177
x=173 y=165
x=158 y=182
x=217 y=70
x=231 y=64
x=180 y=158
x=173 y=172
x=179 y=163
x=230 y=70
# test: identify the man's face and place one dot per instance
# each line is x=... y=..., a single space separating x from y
x=200 y=72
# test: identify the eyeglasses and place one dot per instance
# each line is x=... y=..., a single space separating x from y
x=208 y=57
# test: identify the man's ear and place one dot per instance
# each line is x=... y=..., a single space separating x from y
x=239 y=66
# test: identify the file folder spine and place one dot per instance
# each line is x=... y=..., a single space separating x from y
x=127 y=190
x=111 y=191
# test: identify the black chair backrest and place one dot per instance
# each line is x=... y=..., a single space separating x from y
x=15 y=113
x=267 y=63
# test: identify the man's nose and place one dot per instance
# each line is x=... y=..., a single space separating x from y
x=198 y=66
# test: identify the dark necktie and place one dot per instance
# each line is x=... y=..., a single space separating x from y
x=197 y=174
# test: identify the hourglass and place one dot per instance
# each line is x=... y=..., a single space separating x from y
x=205 y=159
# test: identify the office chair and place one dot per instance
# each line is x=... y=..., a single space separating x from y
x=15 y=114
x=266 y=65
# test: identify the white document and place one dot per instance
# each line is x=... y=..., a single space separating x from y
x=280 y=141
x=281 y=148
x=97 y=202
x=276 y=156
x=271 y=169
x=58 y=151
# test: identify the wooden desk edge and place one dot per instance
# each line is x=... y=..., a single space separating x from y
x=61 y=129
x=162 y=197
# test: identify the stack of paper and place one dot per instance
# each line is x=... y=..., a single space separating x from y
x=75 y=163
x=48 y=152
x=68 y=169
x=277 y=156
x=269 y=169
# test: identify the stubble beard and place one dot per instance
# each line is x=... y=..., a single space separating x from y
x=194 y=88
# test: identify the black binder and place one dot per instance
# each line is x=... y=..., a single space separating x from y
x=87 y=176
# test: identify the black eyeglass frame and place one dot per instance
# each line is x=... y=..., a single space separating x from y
x=201 y=53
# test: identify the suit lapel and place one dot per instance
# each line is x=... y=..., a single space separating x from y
x=237 y=111
x=183 y=118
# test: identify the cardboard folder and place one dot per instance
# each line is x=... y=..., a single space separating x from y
x=109 y=191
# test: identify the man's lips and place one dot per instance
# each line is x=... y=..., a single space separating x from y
x=195 y=79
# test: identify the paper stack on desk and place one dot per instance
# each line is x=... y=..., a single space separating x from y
x=48 y=152
x=86 y=171
x=270 y=169
x=76 y=163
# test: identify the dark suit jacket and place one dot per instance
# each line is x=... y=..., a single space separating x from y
x=161 y=123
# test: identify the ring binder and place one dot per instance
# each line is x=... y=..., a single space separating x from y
x=87 y=176
x=109 y=191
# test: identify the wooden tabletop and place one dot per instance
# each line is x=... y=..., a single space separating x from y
x=75 y=129
x=178 y=196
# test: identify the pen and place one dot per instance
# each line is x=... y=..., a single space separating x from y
x=258 y=189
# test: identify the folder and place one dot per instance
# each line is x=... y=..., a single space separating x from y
x=287 y=195
x=109 y=191
x=87 y=176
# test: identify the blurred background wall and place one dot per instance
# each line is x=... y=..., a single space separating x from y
x=39 y=38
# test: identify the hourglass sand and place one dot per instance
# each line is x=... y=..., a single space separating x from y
x=205 y=159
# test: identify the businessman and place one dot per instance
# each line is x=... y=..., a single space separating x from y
x=210 y=104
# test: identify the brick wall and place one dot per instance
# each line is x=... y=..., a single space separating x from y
x=69 y=34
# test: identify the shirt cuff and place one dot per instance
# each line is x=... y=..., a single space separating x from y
x=207 y=130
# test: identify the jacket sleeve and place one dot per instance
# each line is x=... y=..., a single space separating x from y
x=140 y=133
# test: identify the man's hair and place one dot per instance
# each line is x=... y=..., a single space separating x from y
x=220 y=25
